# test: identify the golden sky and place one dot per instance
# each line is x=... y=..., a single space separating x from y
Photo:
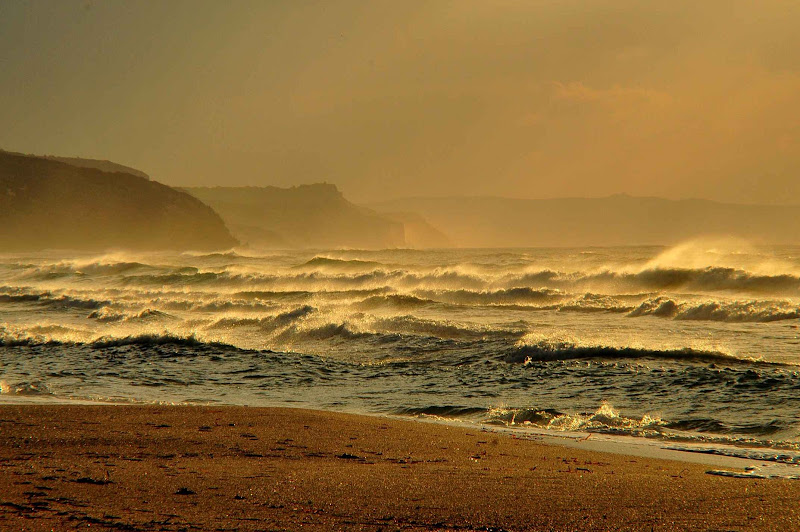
x=387 y=99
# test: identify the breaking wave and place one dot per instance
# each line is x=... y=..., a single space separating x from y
x=392 y=329
x=143 y=340
x=607 y=420
x=147 y=340
x=24 y=389
x=469 y=285
x=549 y=351
x=109 y=315
x=49 y=299
x=267 y=322
x=736 y=311
x=710 y=279
x=393 y=301
x=494 y=297
x=327 y=263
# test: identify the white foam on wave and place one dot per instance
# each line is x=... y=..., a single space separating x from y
x=737 y=311
x=608 y=431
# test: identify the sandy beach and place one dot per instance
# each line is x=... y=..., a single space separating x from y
x=228 y=468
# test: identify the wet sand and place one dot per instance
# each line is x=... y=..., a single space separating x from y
x=65 y=467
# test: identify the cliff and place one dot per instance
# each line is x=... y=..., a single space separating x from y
x=311 y=216
x=50 y=204
x=611 y=221
x=419 y=234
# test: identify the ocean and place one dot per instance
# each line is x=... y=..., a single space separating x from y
x=694 y=343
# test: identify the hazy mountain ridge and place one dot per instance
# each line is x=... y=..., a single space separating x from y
x=49 y=204
x=610 y=221
x=314 y=215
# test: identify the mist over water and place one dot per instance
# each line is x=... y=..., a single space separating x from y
x=699 y=341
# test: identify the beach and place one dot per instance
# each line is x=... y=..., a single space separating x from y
x=399 y=266
x=135 y=467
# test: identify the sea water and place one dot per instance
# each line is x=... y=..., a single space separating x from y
x=694 y=343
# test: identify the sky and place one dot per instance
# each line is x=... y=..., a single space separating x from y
x=387 y=99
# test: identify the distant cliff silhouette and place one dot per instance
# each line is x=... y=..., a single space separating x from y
x=418 y=232
x=610 y=221
x=49 y=204
x=303 y=216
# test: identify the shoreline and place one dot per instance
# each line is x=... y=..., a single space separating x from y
x=145 y=467
x=706 y=452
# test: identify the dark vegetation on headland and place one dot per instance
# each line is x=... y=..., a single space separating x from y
x=617 y=220
x=83 y=204
x=312 y=216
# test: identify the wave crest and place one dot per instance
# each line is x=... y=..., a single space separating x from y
x=550 y=351
x=734 y=311
x=109 y=315
x=329 y=263
x=605 y=419
x=52 y=300
x=268 y=322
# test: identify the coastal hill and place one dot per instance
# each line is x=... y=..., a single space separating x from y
x=611 y=221
x=307 y=216
x=79 y=204
x=99 y=164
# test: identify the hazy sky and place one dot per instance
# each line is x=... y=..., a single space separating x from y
x=531 y=98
